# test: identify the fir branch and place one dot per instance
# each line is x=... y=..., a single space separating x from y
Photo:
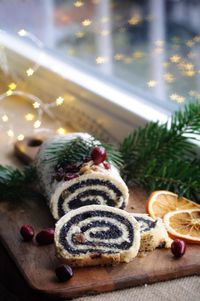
x=163 y=156
x=15 y=184
x=77 y=148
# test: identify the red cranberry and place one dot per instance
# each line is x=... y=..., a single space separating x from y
x=45 y=237
x=27 y=232
x=98 y=154
x=178 y=248
x=64 y=272
x=70 y=176
x=106 y=165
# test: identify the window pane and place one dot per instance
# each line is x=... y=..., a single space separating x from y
x=150 y=47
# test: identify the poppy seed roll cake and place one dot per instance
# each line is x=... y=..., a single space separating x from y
x=97 y=235
x=153 y=233
x=87 y=184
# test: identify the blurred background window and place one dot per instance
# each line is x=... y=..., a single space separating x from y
x=148 y=47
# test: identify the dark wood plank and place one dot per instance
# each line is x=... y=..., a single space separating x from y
x=37 y=264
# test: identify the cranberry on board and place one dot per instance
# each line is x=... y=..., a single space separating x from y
x=64 y=272
x=45 y=237
x=178 y=248
x=27 y=232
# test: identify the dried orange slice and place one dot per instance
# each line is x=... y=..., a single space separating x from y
x=184 y=224
x=162 y=201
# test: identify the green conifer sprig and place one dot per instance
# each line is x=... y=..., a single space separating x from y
x=164 y=156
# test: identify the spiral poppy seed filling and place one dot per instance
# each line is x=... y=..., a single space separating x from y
x=89 y=196
x=145 y=224
x=99 y=232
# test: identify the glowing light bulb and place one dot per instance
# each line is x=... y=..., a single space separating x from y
x=29 y=117
x=12 y=86
x=22 y=32
x=59 y=101
x=9 y=92
x=36 y=105
x=37 y=124
x=86 y=22
x=4 y=118
x=10 y=133
x=20 y=137
x=61 y=131
x=29 y=71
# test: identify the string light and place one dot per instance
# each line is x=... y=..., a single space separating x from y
x=101 y=60
x=29 y=117
x=61 y=131
x=12 y=86
x=151 y=83
x=20 y=137
x=9 y=92
x=10 y=133
x=59 y=101
x=37 y=124
x=22 y=33
x=36 y=105
x=29 y=71
x=78 y=4
x=4 y=118
x=175 y=59
x=86 y=22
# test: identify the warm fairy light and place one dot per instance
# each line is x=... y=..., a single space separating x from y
x=104 y=33
x=9 y=92
x=59 y=101
x=151 y=83
x=4 y=118
x=78 y=3
x=36 y=105
x=12 y=86
x=29 y=117
x=101 y=60
x=169 y=78
x=79 y=34
x=138 y=54
x=10 y=133
x=22 y=32
x=177 y=98
x=175 y=58
x=174 y=96
x=29 y=71
x=61 y=131
x=180 y=99
x=190 y=43
x=20 y=137
x=134 y=20
x=86 y=22
x=197 y=39
x=189 y=73
x=119 y=56
x=37 y=124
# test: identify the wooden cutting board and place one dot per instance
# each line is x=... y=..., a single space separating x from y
x=37 y=263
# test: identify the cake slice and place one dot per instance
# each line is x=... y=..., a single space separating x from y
x=82 y=183
x=97 y=235
x=153 y=233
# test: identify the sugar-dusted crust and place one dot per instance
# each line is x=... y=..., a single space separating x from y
x=97 y=258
